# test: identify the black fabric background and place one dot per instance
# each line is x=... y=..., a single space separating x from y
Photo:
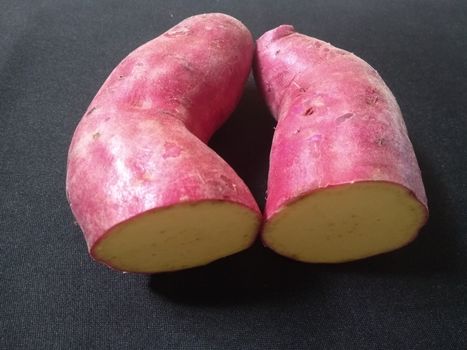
x=54 y=55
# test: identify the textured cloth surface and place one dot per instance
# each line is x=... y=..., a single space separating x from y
x=55 y=54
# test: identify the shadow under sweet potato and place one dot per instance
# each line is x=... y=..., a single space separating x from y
x=251 y=276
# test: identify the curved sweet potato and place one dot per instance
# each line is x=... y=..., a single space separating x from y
x=148 y=193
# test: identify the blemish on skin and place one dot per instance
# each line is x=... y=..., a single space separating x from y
x=225 y=178
x=171 y=150
x=91 y=110
x=96 y=135
x=278 y=51
x=227 y=182
x=380 y=141
x=139 y=64
x=371 y=100
x=177 y=32
x=343 y=118
x=371 y=96
x=315 y=138
x=309 y=111
x=147 y=177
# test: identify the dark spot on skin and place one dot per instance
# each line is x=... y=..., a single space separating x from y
x=380 y=141
x=371 y=96
x=225 y=179
x=162 y=231
x=107 y=119
x=344 y=117
x=309 y=111
x=96 y=135
x=277 y=52
x=120 y=76
x=302 y=89
x=91 y=110
x=139 y=64
x=371 y=100
x=297 y=131
x=353 y=216
x=167 y=113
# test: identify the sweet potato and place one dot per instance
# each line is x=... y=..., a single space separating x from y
x=146 y=190
x=344 y=182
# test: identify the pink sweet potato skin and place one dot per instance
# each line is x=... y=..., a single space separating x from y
x=338 y=122
x=141 y=144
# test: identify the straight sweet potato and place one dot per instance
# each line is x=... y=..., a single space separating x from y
x=344 y=182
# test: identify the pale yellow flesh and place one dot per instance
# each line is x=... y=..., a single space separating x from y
x=179 y=237
x=345 y=223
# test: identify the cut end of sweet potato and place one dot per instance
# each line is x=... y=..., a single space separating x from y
x=346 y=222
x=178 y=237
